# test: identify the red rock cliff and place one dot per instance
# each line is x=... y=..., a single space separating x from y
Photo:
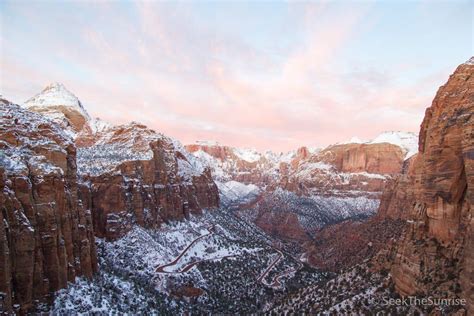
x=46 y=234
x=136 y=175
x=346 y=170
x=345 y=244
x=436 y=254
x=129 y=174
x=242 y=165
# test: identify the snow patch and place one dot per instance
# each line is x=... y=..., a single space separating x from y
x=233 y=191
x=54 y=95
x=406 y=140
x=250 y=155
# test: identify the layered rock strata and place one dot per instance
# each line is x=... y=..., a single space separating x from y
x=135 y=175
x=436 y=254
x=129 y=174
x=46 y=232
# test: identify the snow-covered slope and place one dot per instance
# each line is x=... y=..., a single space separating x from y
x=101 y=145
x=247 y=154
x=238 y=164
x=58 y=103
x=353 y=140
x=236 y=192
x=33 y=134
x=111 y=145
x=97 y=125
x=212 y=264
x=406 y=140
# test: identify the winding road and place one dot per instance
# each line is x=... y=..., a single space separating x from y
x=275 y=282
x=270 y=267
x=161 y=269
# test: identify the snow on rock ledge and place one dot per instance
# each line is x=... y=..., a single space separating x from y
x=406 y=140
x=58 y=103
x=46 y=235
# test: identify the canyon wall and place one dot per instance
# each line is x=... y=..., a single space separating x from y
x=304 y=190
x=436 y=253
x=129 y=174
x=341 y=246
x=146 y=192
x=345 y=170
x=46 y=233
x=242 y=165
x=338 y=170
x=65 y=178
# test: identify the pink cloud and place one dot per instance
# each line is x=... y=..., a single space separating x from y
x=192 y=82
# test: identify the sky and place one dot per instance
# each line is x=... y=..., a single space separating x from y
x=270 y=75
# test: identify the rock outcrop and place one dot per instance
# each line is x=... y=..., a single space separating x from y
x=237 y=164
x=436 y=254
x=304 y=190
x=343 y=245
x=136 y=175
x=46 y=233
x=59 y=104
x=346 y=170
x=351 y=169
x=129 y=174
x=53 y=204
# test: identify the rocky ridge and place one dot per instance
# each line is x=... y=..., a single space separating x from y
x=138 y=176
x=430 y=255
x=61 y=105
x=350 y=242
x=66 y=178
x=46 y=232
x=130 y=173
x=309 y=188
x=346 y=169
x=435 y=256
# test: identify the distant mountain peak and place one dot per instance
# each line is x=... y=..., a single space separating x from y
x=55 y=86
x=470 y=61
x=59 y=104
x=406 y=140
x=55 y=94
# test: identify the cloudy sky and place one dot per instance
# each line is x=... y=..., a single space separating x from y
x=264 y=74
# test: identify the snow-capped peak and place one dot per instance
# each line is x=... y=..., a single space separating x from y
x=353 y=140
x=97 y=125
x=207 y=143
x=470 y=61
x=60 y=105
x=54 y=95
x=247 y=154
x=55 y=86
x=406 y=140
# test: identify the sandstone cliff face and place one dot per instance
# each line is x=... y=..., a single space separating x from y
x=398 y=194
x=339 y=170
x=346 y=170
x=305 y=190
x=60 y=105
x=345 y=244
x=436 y=254
x=52 y=204
x=135 y=175
x=242 y=165
x=129 y=174
x=46 y=233
x=382 y=158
